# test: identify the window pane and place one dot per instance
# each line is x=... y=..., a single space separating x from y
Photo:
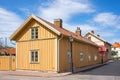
x=36 y=29
x=36 y=33
x=36 y=56
x=81 y=56
x=32 y=56
x=89 y=57
x=32 y=33
x=89 y=38
x=95 y=57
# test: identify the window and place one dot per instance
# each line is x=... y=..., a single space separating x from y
x=34 y=33
x=89 y=57
x=89 y=38
x=81 y=56
x=95 y=57
x=34 y=56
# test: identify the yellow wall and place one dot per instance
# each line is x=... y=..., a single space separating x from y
x=45 y=45
x=44 y=33
x=77 y=48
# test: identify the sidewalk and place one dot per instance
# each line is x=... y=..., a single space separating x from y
x=48 y=74
x=34 y=73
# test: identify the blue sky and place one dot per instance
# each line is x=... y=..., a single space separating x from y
x=102 y=16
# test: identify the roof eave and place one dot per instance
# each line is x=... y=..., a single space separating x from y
x=37 y=19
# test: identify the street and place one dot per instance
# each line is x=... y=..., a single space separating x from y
x=107 y=72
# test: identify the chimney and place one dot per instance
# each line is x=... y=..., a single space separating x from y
x=78 y=32
x=58 y=22
x=92 y=32
x=98 y=35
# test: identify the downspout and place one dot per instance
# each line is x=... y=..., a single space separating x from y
x=58 y=52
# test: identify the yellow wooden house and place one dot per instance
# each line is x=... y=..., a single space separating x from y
x=45 y=46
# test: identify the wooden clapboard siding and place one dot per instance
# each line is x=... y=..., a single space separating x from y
x=45 y=45
x=85 y=49
x=44 y=32
x=7 y=63
x=13 y=63
x=4 y=63
x=63 y=54
x=46 y=50
x=77 y=48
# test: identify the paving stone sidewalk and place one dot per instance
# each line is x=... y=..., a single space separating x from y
x=34 y=73
x=46 y=74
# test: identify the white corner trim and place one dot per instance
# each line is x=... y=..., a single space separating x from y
x=16 y=57
x=56 y=54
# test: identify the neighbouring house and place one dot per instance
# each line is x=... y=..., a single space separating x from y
x=7 y=59
x=102 y=44
x=116 y=48
x=45 y=46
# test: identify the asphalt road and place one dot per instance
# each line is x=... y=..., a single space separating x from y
x=109 y=71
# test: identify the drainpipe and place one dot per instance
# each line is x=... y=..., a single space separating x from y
x=58 y=50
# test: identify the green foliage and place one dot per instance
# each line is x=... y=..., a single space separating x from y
x=114 y=53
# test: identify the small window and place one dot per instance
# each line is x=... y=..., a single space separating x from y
x=34 y=56
x=95 y=57
x=89 y=38
x=81 y=56
x=89 y=57
x=34 y=33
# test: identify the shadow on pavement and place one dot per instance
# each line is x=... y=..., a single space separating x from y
x=110 y=69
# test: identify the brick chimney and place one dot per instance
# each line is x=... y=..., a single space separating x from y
x=92 y=32
x=58 y=22
x=98 y=35
x=78 y=31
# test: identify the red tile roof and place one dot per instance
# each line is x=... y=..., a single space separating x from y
x=116 y=45
x=69 y=33
x=8 y=51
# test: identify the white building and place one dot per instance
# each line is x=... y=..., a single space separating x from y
x=116 y=47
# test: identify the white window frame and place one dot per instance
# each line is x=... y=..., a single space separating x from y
x=34 y=33
x=89 y=57
x=81 y=56
x=34 y=56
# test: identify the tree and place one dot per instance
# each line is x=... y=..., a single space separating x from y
x=115 y=54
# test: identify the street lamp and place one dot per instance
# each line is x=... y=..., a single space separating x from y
x=71 y=41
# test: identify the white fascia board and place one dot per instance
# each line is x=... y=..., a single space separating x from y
x=39 y=20
x=45 y=24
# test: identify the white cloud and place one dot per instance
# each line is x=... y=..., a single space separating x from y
x=108 y=19
x=64 y=9
x=9 y=22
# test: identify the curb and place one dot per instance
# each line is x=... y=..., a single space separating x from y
x=34 y=74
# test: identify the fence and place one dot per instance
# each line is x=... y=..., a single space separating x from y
x=7 y=63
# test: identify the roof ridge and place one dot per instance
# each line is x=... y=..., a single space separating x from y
x=70 y=33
